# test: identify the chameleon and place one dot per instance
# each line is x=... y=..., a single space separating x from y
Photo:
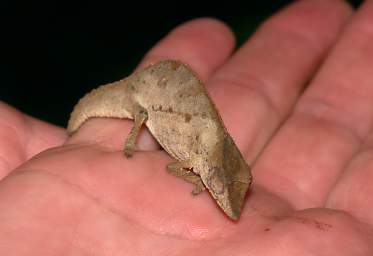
x=173 y=103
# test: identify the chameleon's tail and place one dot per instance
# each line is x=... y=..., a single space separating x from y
x=105 y=101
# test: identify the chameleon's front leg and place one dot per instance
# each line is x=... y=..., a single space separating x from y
x=139 y=118
x=179 y=170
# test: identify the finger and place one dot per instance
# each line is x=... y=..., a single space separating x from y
x=329 y=123
x=267 y=74
x=22 y=137
x=353 y=191
x=204 y=44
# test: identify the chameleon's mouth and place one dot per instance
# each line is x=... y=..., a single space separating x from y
x=232 y=198
x=229 y=180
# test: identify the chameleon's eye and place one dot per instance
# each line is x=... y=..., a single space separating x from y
x=217 y=180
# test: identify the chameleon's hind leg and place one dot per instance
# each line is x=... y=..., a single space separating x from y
x=180 y=169
x=140 y=117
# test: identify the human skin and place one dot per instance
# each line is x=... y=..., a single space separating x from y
x=309 y=144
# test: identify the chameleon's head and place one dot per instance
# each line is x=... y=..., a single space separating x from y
x=229 y=182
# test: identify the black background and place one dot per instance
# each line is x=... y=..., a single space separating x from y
x=55 y=52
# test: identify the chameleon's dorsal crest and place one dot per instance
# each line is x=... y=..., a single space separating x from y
x=173 y=103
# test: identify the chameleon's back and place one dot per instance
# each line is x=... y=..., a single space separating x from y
x=180 y=114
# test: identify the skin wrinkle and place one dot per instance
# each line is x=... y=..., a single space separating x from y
x=255 y=85
x=335 y=126
x=258 y=188
x=4 y=165
x=80 y=190
x=361 y=225
x=201 y=234
x=21 y=172
x=359 y=153
x=362 y=28
x=340 y=177
x=331 y=126
x=295 y=187
x=32 y=134
x=6 y=126
x=110 y=145
x=331 y=108
x=275 y=21
x=298 y=37
x=29 y=135
x=83 y=145
x=99 y=145
x=21 y=157
x=107 y=149
x=323 y=106
x=105 y=206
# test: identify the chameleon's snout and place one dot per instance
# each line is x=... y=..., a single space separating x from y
x=230 y=195
x=229 y=183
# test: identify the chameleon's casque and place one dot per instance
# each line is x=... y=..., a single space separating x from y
x=172 y=102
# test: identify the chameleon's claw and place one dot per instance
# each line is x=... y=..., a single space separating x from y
x=178 y=169
x=199 y=188
x=129 y=149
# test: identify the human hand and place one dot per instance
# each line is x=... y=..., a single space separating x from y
x=309 y=142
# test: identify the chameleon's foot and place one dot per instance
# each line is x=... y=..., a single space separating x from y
x=199 y=188
x=129 y=149
x=179 y=170
x=140 y=117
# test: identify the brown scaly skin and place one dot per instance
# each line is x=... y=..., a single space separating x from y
x=174 y=105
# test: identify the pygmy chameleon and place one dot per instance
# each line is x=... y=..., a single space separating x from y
x=172 y=102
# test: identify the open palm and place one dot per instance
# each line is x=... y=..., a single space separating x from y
x=309 y=142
